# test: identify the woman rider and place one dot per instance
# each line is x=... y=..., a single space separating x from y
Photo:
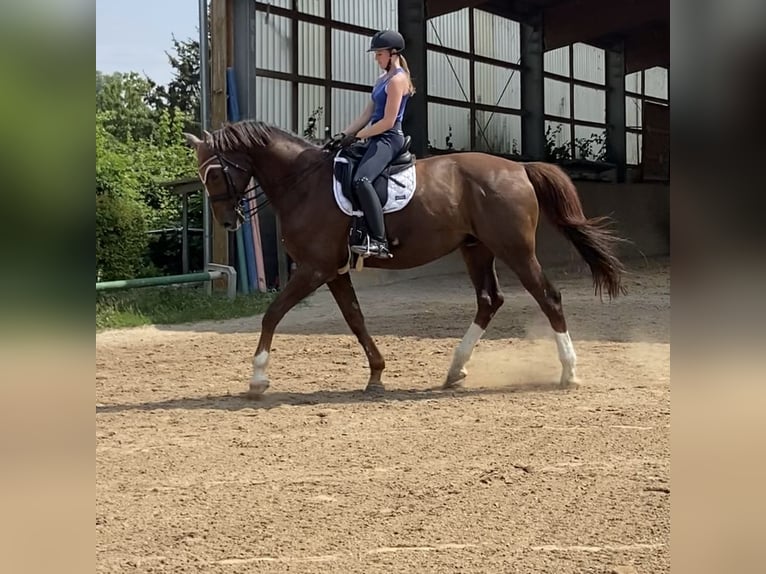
x=381 y=125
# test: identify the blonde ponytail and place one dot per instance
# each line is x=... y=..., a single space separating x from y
x=406 y=68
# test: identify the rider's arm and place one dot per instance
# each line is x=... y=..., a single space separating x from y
x=394 y=93
x=361 y=121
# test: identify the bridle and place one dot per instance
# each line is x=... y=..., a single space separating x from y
x=243 y=209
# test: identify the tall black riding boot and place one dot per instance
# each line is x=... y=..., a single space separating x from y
x=376 y=243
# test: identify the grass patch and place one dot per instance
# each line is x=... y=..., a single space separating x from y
x=172 y=305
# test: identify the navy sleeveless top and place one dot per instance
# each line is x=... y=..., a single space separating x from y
x=379 y=98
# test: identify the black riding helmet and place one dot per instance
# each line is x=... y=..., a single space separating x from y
x=387 y=40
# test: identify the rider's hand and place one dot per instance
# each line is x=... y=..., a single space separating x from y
x=340 y=140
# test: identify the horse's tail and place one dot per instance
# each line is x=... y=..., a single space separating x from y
x=596 y=244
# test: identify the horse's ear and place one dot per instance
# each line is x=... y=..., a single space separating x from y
x=208 y=137
x=192 y=140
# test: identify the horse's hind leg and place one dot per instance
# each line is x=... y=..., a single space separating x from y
x=345 y=296
x=549 y=298
x=481 y=267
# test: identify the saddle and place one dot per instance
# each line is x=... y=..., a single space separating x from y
x=344 y=172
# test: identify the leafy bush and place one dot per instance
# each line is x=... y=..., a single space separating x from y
x=131 y=199
x=121 y=239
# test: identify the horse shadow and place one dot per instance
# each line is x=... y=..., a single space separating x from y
x=448 y=306
x=271 y=400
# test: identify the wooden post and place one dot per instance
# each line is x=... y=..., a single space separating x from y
x=219 y=44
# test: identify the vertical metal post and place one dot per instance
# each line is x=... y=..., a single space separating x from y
x=204 y=101
x=616 y=147
x=532 y=89
x=185 y=234
x=412 y=25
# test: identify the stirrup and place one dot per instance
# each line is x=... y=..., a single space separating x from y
x=372 y=248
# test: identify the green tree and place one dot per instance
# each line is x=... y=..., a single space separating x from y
x=183 y=91
x=126 y=102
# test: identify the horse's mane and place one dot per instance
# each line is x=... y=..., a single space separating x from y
x=252 y=133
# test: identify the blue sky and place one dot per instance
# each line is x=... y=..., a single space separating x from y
x=133 y=35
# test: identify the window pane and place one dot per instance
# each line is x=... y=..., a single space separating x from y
x=350 y=61
x=656 y=82
x=590 y=104
x=633 y=112
x=590 y=143
x=273 y=102
x=589 y=63
x=315 y=7
x=311 y=45
x=449 y=30
x=557 y=61
x=498 y=86
x=558 y=137
x=501 y=135
x=346 y=106
x=273 y=41
x=496 y=37
x=441 y=76
x=557 y=98
x=378 y=15
x=633 y=145
x=311 y=106
x=448 y=127
x=633 y=82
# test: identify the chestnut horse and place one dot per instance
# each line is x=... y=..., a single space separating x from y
x=484 y=205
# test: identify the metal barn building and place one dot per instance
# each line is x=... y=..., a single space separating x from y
x=583 y=83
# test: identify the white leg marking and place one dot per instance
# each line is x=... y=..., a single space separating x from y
x=567 y=357
x=260 y=382
x=463 y=353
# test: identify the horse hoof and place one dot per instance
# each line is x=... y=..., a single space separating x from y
x=570 y=384
x=569 y=381
x=257 y=388
x=455 y=380
x=374 y=387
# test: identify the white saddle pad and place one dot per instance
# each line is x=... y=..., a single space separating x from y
x=398 y=195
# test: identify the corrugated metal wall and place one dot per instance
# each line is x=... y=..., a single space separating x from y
x=589 y=63
x=497 y=86
x=448 y=76
x=448 y=122
x=311 y=50
x=310 y=98
x=377 y=14
x=313 y=7
x=557 y=97
x=274 y=101
x=557 y=61
x=589 y=104
x=496 y=37
x=346 y=106
x=497 y=132
x=273 y=42
x=350 y=60
x=449 y=30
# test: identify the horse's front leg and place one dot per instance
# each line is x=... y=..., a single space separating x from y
x=345 y=296
x=304 y=282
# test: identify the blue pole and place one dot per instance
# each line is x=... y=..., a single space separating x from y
x=232 y=104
